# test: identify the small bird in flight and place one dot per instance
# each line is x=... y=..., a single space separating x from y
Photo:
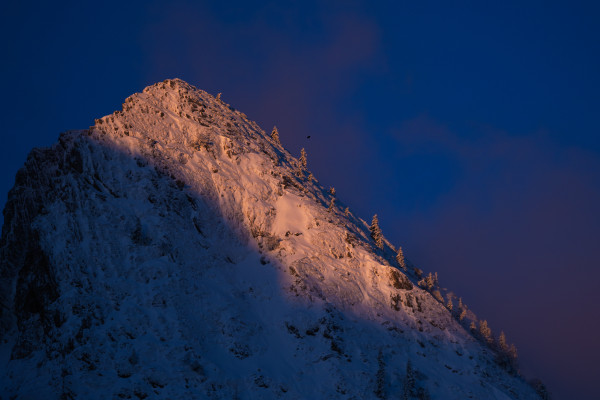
x=308 y=137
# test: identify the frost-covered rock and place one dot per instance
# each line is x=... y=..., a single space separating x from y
x=176 y=250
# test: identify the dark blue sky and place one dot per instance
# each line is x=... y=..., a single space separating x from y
x=471 y=129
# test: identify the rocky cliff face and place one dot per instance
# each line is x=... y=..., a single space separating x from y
x=175 y=250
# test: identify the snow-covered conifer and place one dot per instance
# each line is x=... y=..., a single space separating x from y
x=275 y=135
x=502 y=345
x=400 y=258
x=428 y=282
x=347 y=212
x=472 y=326
x=409 y=382
x=512 y=352
x=303 y=158
x=437 y=295
x=331 y=204
x=332 y=191
x=376 y=232
x=485 y=330
x=449 y=305
x=540 y=388
x=380 y=377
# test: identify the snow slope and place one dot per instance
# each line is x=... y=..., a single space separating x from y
x=174 y=250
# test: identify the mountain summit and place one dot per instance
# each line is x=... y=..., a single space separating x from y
x=176 y=250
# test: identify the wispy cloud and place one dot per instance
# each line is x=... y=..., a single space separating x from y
x=521 y=219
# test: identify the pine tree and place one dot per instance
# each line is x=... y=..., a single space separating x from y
x=540 y=388
x=347 y=212
x=331 y=204
x=376 y=232
x=485 y=330
x=409 y=382
x=512 y=352
x=507 y=355
x=473 y=327
x=400 y=259
x=462 y=308
x=310 y=177
x=332 y=191
x=428 y=282
x=449 y=304
x=303 y=158
x=275 y=135
x=418 y=272
x=380 y=377
x=502 y=345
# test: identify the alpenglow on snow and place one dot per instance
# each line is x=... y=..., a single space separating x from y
x=175 y=250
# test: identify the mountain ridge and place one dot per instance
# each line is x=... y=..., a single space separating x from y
x=117 y=235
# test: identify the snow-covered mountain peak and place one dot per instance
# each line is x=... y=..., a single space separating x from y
x=176 y=250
